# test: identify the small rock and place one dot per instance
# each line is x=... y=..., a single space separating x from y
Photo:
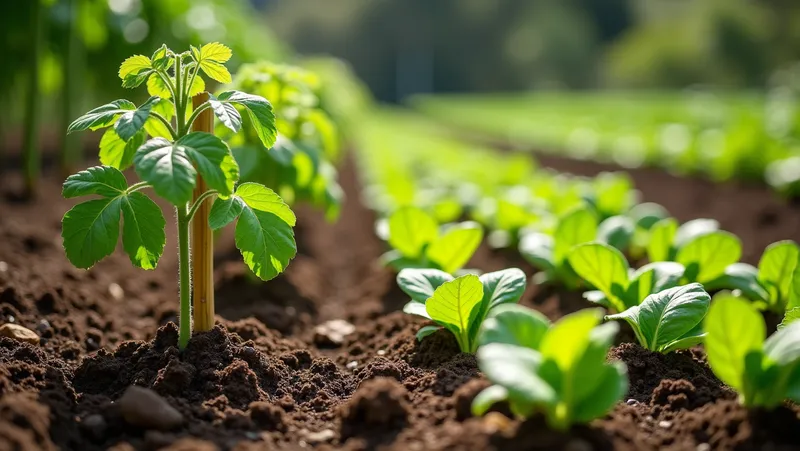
x=19 y=333
x=91 y=344
x=43 y=326
x=143 y=407
x=665 y=424
x=3 y=267
x=381 y=352
x=631 y=402
x=116 y=291
x=352 y=365
x=95 y=426
x=703 y=447
x=578 y=445
x=496 y=422
x=333 y=332
x=322 y=436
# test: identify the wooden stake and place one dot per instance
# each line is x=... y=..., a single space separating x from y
x=202 y=239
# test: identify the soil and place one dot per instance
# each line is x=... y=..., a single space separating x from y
x=263 y=378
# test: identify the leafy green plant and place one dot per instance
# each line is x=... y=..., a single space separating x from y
x=170 y=162
x=764 y=371
x=669 y=320
x=618 y=286
x=559 y=371
x=460 y=304
x=419 y=242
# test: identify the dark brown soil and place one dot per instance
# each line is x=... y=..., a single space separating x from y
x=262 y=379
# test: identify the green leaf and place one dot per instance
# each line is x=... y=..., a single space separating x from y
x=576 y=227
x=515 y=325
x=117 y=153
x=776 y=270
x=143 y=235
x=734 y=328
x=790 y=317
x=612 y=385
x=503 y=287
x=742 y=277
x=666 y=316
x=157 y=87
x=168 y=168
x=707 y=256
x=210 y=59
x=134 y=65
x=90 y=231
x=416 y=308
x=783 y=347
x=102 y=116
x=224 y=212
x=616 y=231
x=692 y=338
x=261 y=115
x=420 y=284
x=604 y=267
x=514 y=368
x=647 y=214
x=487 y=398
x=693 y=229
x=567 y=339
x=161 y=59
x=101 y=180
x=455 y=247
x=537 y=249
x=411 y=230
x=131 y=122
x=452 y=303
x=652 y=278
x=425 y=331
x=153 y=126
x=662 y=235
x=213 y=159
x=227 y=114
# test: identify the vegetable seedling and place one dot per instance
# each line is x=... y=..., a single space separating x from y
x=764 y=371
x=461 y=304
x=560 y=371
x=618 y=286
x=170 y=162
x=669 y=320
x=419 y=242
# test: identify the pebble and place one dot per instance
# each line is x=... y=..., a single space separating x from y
x=116 y=291
x=631 y=402
x=703 y=447
x=665 y=424
x=3 y=266
x=143 y=407
x=333 y=332
x=43 y=326
x=11 y=318
x=496 y=422
x=19 y=333
x=95 y=426
x=381 y=352
x=352 y=365
x=322 y=436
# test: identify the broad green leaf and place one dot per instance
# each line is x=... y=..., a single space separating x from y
x=224 y=212
x=692 y=338
x=576 y=227
x=582 y=375
x=514 y=368
x=154 y=127
x=645 y=215
x=143 y=235
x=487 y=398
x=602 y=266
x=90 y=231
x=652 y=278
x=157 y=87
x=616 y=231
x=420 y=284
x=101 y=180
x=734 y=328
x=227 y=114
x=135 y=80
x=537 y=248
x=210 y=59
x=264 y=232
x=411 y=230
x=690 y=230
x=662 y=235
x=134 y=65
x=742 y=277
x=631 y=316
x=783 y=347
x=612 y=385
x=503 y=287
x=416 y=308
x=567 y=339
x=455 y=247
x=425 y=331
x=117 y=153
x=453 y=302
x=213 y=160
x=161 y=59
x=790 y=317
x=776 y=269
x=260 y=111
x=707 y=256
x=515 y=325
x=102 y=116
x=131 y=122
x=666 y=316
x=168 y=168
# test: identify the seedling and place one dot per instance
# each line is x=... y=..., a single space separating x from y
x=169 y=163
x=560 y=372
x=419 y=242
x=669 y=320
x=764 y=372
x=461 y=304
x=618 y=286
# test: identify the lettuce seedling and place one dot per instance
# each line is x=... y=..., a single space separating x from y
x=170 y=162
x=764 y=372
x=669 y=320
x=618 y=286
x=461 y=304
x=773 y=285
x=419 y=242
x=560 y=371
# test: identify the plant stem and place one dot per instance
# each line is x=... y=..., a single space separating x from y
x=184 y=278
x=180 y=105
x=30 y=146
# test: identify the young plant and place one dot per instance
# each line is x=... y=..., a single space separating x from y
x=669 y=320
x=764 y=372
x=170 y=163
x=560 y=371
x=619 y=288
x=461 y=304
x=419 y=242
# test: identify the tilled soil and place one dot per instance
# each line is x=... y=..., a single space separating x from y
x=264 y=378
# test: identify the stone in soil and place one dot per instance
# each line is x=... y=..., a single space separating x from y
x=19 y=333
x=145 y=408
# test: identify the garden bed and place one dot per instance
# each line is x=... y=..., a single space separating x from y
x=266 y=379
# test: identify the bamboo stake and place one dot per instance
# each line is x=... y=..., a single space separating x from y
x=202 y=239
